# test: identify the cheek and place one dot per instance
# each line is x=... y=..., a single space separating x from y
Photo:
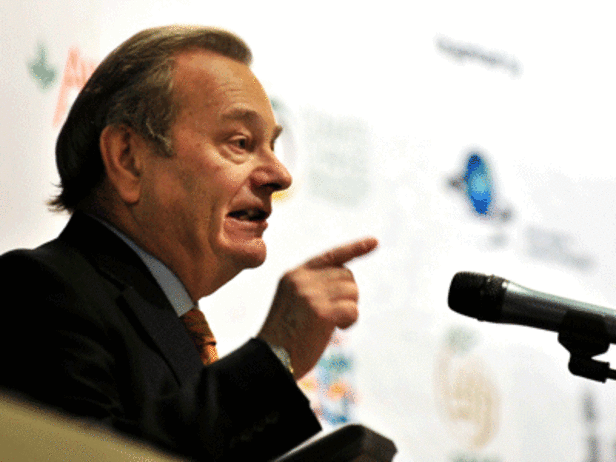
x=169 y=195
x=202 y=188
x=202 y=203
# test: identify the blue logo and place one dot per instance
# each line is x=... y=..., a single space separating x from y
x=476 y=184
x=478 y=181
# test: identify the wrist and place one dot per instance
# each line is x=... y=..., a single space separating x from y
x=283 y=355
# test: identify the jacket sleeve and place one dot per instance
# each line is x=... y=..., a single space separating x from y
x=251 y=407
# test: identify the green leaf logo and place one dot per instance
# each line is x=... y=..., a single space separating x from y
x=40 y=69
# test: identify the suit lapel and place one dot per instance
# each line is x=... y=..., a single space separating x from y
x=139 y=291
x=167 y=332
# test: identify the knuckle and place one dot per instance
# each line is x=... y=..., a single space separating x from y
x=343 y=274
x=348 y=316
x=328 y=257
x=350 y=289
x=354 y=296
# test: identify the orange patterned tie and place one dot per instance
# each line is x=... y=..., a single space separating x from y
x=201 y=335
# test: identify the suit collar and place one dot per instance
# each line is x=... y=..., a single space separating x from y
x=139 y=291
x=112 y=256
x=174 y=289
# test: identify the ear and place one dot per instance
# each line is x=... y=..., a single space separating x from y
x=123 y=153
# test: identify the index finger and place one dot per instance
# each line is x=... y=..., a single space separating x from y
x=338 y=256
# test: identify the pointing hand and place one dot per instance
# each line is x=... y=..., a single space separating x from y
x=311 y=301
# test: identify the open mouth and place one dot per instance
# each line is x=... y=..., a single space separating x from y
x=249 y=215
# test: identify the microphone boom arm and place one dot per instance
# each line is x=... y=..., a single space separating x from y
x=585 y=335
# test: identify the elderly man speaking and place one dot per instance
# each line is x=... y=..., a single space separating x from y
x=167 y=167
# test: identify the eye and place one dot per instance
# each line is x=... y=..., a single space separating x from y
x=240 y=142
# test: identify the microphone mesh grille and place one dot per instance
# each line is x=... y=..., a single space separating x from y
x=464 y=292
x=477 y=295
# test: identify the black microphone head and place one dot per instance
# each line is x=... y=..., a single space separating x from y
x=477 y=295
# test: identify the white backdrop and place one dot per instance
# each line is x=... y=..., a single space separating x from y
x=382 y=106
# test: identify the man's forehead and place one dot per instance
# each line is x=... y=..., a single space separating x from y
x=207 y=78
x=207 y=72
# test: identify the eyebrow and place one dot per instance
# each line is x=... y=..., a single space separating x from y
x=250 y=116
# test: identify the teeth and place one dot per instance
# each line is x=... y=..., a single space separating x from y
x=245 y=215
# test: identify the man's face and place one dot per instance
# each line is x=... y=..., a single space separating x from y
x=210 y=201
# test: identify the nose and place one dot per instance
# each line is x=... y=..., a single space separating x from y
x=272 y=175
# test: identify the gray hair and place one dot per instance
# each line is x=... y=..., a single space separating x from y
x=132 y=86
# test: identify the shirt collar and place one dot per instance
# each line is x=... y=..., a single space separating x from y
x=169 y=283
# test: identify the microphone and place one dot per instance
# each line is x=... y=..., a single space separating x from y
x=494 y=299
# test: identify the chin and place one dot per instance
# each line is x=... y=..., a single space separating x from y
x=249 y=255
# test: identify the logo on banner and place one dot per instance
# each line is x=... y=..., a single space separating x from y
x=41 y=70
x=465 y=392
x=77 y=71
x=477 y=185
x=494 y=59
x=329 y=386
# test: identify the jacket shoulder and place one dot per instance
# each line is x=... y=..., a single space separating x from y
x=52 y=260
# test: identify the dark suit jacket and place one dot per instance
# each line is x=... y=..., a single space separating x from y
x=86 y=328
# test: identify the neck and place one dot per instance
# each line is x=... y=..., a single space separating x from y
x=200 y=275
